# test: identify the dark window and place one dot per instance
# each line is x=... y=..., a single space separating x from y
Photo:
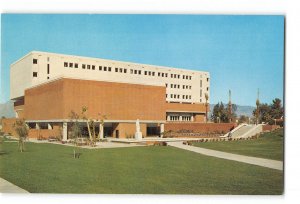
x=125 y=70
x=121 y=70
x=178 y=86
x=166 y=85
x=178 y=76
x=207 y=88
x=135 y=71
x=34 y=74
x=65 y=64
x=190 y=97
x=190 y=77
x=166 y=95
x=76 y=65
x=109 y=69
x=88 y=66
x=47 y=77
x=158 y=74
x=183 y=76
x=145 y=72
x=166 y=75
x=207 y=79
x=153 y=73
x=34 y=61
x=140 y=72
x=131 y=71
x=105 y=68
x=171 y=75
x=190 y=87
x=83 y=66
x=100 y=68
x=71 y=65
x=93 y=67
x=171 y=85
x=48 y=68
x=116 y=70
x=163 y=74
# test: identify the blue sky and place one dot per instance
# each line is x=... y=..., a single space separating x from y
x=242 y=53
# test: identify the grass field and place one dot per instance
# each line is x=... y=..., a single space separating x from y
x=50 y=168
x=268 y=145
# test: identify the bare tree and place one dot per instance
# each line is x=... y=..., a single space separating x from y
x=22 y=131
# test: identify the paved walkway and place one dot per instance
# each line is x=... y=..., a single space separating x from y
x=273 y=164
x=7 y=187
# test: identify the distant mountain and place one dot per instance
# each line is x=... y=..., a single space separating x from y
x=7 y=110
x=241 y=110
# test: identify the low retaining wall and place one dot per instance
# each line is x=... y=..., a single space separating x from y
x=7 y=126
x=270 y=127
x=216 y=128
x=44 y=133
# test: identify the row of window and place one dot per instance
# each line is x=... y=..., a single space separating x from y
x=178 y=86
x=177 y=96
x=177 y=118
x=123 y=70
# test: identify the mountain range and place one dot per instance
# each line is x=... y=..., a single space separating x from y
x=241 y=110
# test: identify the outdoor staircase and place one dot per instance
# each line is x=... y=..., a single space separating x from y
x=245 y=131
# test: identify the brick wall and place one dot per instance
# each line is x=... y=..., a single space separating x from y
x=201 y=127
x=7 y=126
x=270 y=127
x=44 y=133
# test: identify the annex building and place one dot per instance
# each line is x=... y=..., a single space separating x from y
x=46 y=87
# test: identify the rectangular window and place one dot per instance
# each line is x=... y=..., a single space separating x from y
x=48 y=59
x=190 y=87
x=166 y=75
x=93 y=67
x=34 y=74
x=131 y=71
x=135 y=71
x=201 y=83
x=153 y=73
x=158 y=74
x=178 y=86
x=183 y=96
x=171 y=85
x=70 y=65
x=171 y=75
x=190 y=97
x=88 y=66
x=83 y=66
x=166 y=95
x=140 y=72
x=190 y=77
x=183 y=76
x=145 y=72
x=109 y=69
x=125 y=71
x=105 y=68
x=171 y=95
x=163 y=74
x=116 y=69
x=76 y=65
x=34 y=61
x=166 y=85
x=48 y=68
x=100 y=68
x=121 y=70
x=207 y=88
x=178 y=76
x=65 y=64
x=207 y=79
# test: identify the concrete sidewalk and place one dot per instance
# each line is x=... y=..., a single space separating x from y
x=7 y=187
x=273 y=164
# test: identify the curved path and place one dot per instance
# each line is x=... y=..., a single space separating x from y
x=273 y=164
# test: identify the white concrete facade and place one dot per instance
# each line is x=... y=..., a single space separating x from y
x=35 y=68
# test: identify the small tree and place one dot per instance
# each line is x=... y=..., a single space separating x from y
x=75 y=129
x=22 y=132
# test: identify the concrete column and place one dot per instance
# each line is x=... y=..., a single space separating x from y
x=162 y=129
x=101 y=129
x=65 y=131
x=168 y=118
x=192 y=118
x=49 y=126
x=180 y=118
x=37 y=126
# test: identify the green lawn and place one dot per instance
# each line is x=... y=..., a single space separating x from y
x=268 y=145
x=50 y=168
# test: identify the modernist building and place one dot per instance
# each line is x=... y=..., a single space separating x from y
x=46 y=87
